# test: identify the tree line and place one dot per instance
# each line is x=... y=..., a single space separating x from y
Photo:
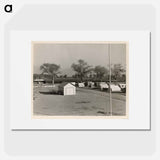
x=83 y=70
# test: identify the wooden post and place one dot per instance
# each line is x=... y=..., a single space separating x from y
x=110 y=79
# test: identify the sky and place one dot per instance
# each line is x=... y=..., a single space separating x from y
x=66 y=54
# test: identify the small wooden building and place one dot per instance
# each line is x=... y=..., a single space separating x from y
x=67 y=89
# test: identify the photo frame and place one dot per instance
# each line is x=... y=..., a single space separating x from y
x=139 y=110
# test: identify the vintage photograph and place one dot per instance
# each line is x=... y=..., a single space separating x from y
x=80 y=79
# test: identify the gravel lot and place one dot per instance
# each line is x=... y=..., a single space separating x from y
x=86 y=102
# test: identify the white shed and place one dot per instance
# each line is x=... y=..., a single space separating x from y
x=67 y=88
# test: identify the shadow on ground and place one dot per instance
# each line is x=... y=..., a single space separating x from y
x=50 y=93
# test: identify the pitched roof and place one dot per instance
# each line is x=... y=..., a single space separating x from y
x=64 y=84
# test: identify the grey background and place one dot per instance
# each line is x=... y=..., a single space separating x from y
x=80 y=17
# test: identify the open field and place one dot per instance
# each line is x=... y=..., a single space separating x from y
x=86 y=102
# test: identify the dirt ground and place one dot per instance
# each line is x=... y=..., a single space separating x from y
x=86 y=102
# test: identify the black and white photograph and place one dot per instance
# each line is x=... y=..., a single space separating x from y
x=80 y=79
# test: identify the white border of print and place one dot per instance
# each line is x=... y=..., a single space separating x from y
x=139 y=81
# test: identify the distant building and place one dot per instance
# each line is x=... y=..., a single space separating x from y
x=67 y=88
x=39 y=81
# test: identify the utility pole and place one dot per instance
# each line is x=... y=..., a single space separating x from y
x=110 y=79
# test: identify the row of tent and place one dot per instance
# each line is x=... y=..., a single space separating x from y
x=119 y=87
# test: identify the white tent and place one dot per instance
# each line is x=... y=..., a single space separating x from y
x=81 y=85
x=103 y=85
x=115 y=88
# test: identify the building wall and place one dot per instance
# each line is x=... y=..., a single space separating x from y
x=68 y=90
